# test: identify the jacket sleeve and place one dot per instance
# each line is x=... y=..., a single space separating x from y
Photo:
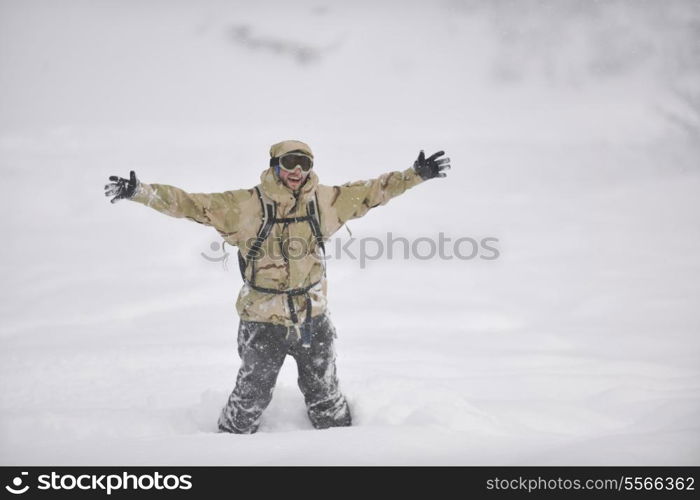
x=208 y=209
x=355 y=199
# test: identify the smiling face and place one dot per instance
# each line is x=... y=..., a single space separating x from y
x=293 y=179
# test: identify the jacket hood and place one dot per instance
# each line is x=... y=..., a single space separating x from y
x=287 y=146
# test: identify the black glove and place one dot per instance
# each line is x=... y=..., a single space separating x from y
x=122 y=188
x=429 y=167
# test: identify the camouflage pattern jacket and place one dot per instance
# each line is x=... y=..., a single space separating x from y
x=289 y=258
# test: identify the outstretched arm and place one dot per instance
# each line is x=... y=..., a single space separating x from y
x=355 y=199
x=208 y=209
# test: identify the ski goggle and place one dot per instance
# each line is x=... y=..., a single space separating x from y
x=290 y=161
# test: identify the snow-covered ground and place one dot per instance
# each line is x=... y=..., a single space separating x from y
x=571 y=131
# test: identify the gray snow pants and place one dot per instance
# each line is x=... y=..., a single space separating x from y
x=263 y=348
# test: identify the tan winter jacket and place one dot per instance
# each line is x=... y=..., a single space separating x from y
x=290 y=257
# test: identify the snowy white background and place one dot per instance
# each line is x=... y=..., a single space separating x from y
x=574 y=133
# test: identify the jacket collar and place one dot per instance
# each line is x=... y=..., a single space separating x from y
x=278 y=192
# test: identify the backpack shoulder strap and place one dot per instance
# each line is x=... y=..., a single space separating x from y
x=315 y=223
x=268 y=210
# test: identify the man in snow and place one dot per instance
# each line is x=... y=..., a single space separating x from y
x=279 y=227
